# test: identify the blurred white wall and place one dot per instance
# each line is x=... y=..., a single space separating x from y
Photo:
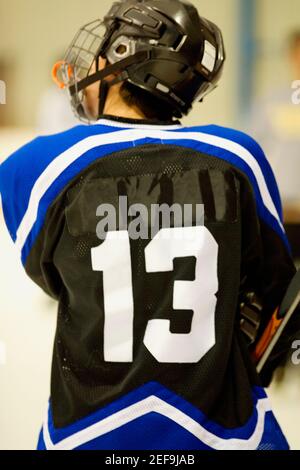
x=27 y=325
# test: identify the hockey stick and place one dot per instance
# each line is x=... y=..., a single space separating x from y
x=278 y=322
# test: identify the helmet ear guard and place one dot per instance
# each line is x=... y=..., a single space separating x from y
x=62 y=73
x=162 y=47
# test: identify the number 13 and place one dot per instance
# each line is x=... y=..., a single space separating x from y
x=114 y=259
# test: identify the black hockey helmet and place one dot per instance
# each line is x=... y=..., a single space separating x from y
x=161 y=46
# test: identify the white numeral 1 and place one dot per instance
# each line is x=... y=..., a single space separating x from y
x=114 y=259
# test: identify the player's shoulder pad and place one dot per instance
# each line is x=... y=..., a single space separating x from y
x=20 y=171
x=244 y=152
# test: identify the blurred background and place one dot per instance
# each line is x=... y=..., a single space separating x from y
x=259 y=93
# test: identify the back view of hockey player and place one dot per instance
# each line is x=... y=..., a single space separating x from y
x=148 y=352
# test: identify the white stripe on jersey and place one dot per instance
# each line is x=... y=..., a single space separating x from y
x=125 y=125
x=157 y=405
x=64 y=160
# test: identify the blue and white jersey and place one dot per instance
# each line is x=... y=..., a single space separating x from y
x=148 y=350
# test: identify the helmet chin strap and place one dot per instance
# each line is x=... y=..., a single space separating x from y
x=103 y=92
x=110 y=70
x=104 y=87
x=101 y=75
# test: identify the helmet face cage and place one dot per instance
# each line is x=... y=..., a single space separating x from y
x=78 y=62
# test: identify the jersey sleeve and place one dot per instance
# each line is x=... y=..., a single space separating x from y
x=31 y=180
x=18 y=176
x=16 y=179
x=267 y=265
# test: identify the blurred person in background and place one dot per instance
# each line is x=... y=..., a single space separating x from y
x=275 y=123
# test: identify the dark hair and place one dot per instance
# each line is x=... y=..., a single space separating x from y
x=152 y=107
x=294 y=39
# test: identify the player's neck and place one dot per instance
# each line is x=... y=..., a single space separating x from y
x=116 y=106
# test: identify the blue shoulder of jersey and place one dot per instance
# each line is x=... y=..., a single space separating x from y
x=244 y=153
x=22 y=169
x=250 y=144
x=33 y=177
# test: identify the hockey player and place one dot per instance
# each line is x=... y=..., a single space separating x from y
x=149 y=353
